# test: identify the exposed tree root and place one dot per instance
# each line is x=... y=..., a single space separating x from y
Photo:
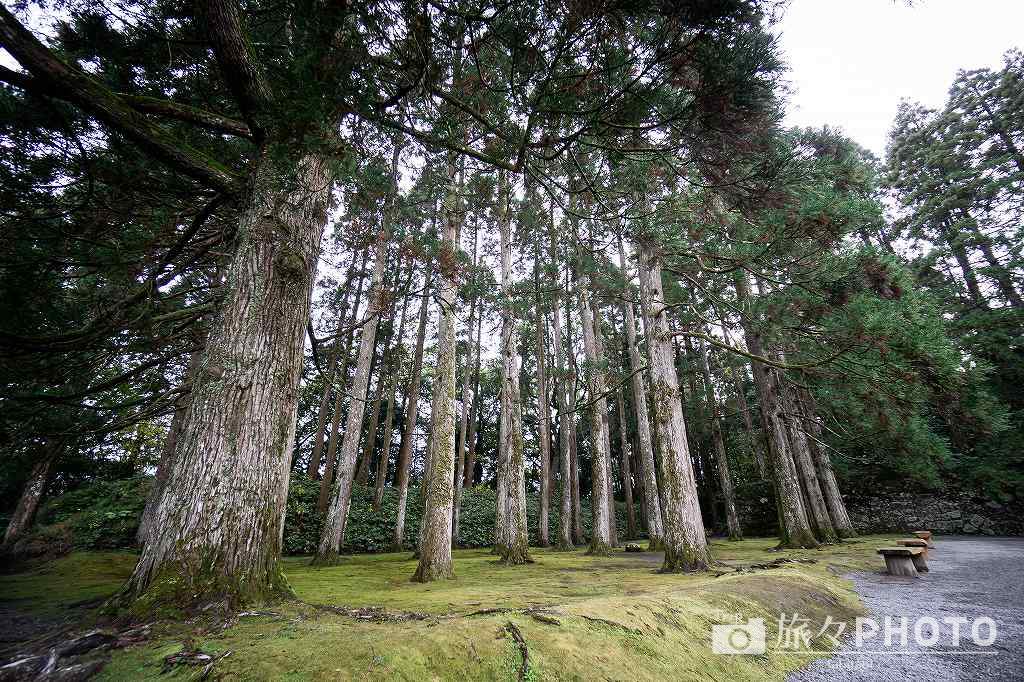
x=372 y=614
x=524 y=651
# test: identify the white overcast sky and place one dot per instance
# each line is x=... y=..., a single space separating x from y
x=852 y=61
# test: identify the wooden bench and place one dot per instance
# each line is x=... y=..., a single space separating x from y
x=915 y=542
x=906 y=561
x=925 y=535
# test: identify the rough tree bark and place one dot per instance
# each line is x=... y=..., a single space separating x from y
x=370 y=444
x=648 y=477
x=167 y=452
x=601 y=534
x=732 y=519
x=510 y=536
x=435 y=547
x=686 y=546
x=404 y=464
x=222 y=513
x=794 y=527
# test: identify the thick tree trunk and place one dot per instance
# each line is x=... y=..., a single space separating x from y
x=794 y=527
x=648 y=477
x=686 y=546
x=510 y=537
x=404 y=463
x=625 y=468
x=601 y=534
x=823 y=463
x=221 y=516
x=31 y=495
x=435 y=548
x=543 y=410
x=732 y=519
x=167 y=452
x=333 y=533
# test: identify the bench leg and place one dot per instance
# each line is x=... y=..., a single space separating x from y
x=900 y=565
x=920 y=563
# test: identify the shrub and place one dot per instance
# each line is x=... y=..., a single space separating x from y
x=105 y=515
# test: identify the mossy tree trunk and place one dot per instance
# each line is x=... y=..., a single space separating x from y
x=404 y=464
x=601 y=533
x=222 y=513
x=794 y=527
x=732 y=518
x=435 y=547
x=648 y=477
x=167 y=453
x=510 y=536
x=686 y=546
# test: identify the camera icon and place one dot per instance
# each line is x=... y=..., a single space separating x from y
x=745 y=639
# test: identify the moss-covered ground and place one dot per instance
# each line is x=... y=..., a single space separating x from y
x=577 y=617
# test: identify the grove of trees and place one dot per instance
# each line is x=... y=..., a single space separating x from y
x=567 y=250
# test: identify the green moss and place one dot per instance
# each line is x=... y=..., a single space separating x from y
x=73 y=579
x=618 y=617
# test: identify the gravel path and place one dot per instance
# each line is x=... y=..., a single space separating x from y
x=970 y=577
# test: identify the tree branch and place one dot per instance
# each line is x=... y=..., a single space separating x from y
x=60 y=80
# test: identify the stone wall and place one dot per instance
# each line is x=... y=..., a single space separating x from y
x=949 y=514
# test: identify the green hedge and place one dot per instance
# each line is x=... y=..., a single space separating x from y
x=105 y=515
